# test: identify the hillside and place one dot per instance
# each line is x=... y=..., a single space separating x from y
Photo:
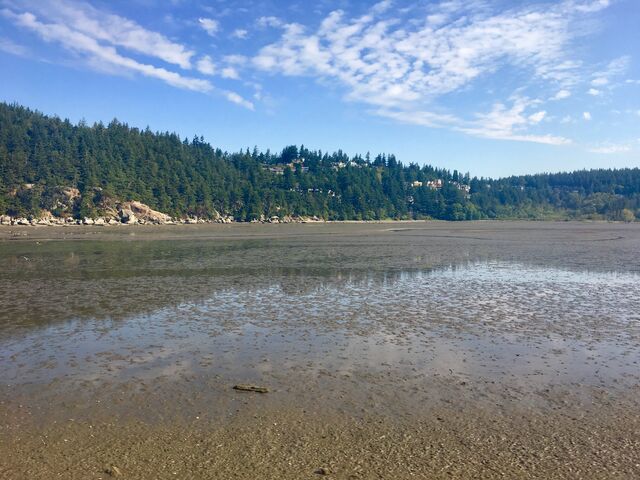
x=51 y=167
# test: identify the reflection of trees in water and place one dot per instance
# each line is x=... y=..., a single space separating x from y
x=57 y=281
x=51 y=282
x=32 y=300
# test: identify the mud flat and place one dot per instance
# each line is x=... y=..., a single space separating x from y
x=391 y=350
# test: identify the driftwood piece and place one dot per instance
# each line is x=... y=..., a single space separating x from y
x=250 y=388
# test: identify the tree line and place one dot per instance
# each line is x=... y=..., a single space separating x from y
x=40 y=155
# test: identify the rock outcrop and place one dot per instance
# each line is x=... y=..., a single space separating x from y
x=100 y=208
x=146 y=213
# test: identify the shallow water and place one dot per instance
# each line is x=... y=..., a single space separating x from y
x=357 y=317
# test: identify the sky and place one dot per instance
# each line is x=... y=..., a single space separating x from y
x=490 y=87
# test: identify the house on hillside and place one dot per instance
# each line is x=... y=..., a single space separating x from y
x=435 y=184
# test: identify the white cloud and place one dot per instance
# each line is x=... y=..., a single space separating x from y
x=240 y=33
x=610 y=149
x=273 y=22
x=237 y=99
x=586 y=116
x=436 y=19
x=98 y=46
x=209 y=25
x=590 y=6
x=235 y=59
x=537 y=117
x=382 y=6
x=403 y=68
x=230 y=72
x=8 y=46
x=605 y=77
x=81 y=43
x=206 y=66
x=424 y=118
x=112 y=29
x=385 y=64
x=562 y=94
x=503 y=123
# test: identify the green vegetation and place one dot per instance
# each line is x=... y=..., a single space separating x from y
x=40 y=156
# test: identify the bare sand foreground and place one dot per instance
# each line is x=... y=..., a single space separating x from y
x=403 y=350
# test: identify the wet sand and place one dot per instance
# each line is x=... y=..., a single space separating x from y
x=392 y=350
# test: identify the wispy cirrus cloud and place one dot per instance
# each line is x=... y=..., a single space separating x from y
x=512 y=123
x=610 y=149
x=607 y=77
x=99 y=37
x=9 y=46
x=109 y=28
x=497 y=70
x=82 y=43
x=404 y=67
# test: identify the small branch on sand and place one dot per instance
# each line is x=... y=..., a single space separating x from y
x=250 y=388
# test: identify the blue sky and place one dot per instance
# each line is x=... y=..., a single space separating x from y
x=487 y=86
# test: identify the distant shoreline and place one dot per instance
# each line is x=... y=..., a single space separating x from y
x=308 y=222
x=212 y=222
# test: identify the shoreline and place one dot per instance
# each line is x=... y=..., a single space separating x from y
x=79 y=223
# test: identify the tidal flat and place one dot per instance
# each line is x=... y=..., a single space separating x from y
x=390 y=350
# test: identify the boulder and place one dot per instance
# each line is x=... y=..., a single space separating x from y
x=127 y=216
